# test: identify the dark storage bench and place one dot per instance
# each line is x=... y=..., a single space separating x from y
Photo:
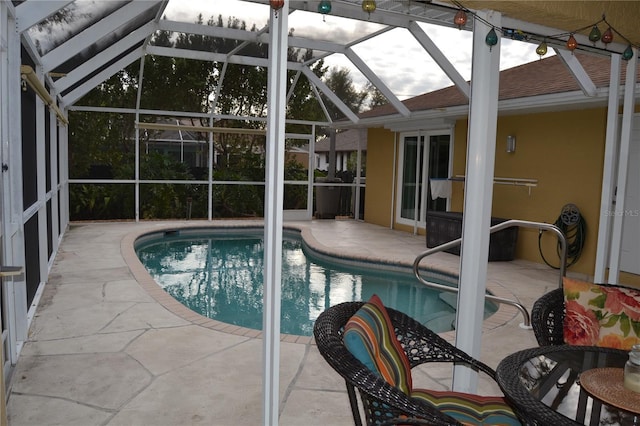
x=443 y=227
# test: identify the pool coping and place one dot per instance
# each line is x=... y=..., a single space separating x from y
x=127 y=248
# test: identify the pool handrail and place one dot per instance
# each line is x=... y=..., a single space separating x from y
x=541 y=226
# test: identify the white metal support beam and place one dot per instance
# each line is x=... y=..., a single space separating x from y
x=63 y=167
x=107 y=55
x=14 y=291
x=94 y=33
x=77 y=93
x=273 y=213
x=137 y=136
x=248 y=36
x=321 y=103
x=199 y=55
x=478 y=195
x=294 y=83
x=623 y=167
x=608 y=173
x=575 y=67
x=439 y=57
x=373 y=78
x=41 y=182
x=31 y=12
x=54 y=190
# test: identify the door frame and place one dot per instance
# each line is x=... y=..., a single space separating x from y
x=420 y=201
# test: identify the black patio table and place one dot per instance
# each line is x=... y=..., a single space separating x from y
x=544 y=383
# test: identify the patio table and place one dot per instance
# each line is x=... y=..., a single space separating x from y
x=544 y=383
x=607 y=384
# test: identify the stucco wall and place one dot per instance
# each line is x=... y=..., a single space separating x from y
x=564 y=151
x=377 y=204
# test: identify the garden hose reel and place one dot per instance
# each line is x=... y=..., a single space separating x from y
x=573 y=226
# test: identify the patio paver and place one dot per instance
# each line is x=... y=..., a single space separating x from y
x=107 y=348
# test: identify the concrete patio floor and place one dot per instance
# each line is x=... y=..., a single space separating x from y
x=108 y=347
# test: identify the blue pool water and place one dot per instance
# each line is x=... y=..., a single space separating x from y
x=218 y=273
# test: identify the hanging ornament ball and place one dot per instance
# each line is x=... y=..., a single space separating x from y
x=595 y=34
x=369 y=6
x=572 y=44
x=492 y=38
x=607 y=37
x=276 y=4
x=460 y=19
x=324 y=7
x=541 y=50
x=628 y=53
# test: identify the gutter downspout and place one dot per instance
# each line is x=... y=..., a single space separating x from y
x=394 y=174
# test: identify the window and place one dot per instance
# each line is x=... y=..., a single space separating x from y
x=414 y=195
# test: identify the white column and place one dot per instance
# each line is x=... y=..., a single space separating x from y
x=41 y=202
x=623 y=167
x=609 y=170
x=416 y=193
x=55 y=195
x=274 y=189
x=14 y=223
x=63 y=146
x=137 y=141
x=311 y=166
x=478 y=194
x=210 y=173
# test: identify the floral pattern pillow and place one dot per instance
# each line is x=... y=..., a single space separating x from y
x=601 y=315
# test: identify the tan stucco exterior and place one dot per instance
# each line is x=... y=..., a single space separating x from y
x=564 y=151
x=380 y=180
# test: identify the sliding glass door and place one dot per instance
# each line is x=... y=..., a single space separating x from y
x=418 y=163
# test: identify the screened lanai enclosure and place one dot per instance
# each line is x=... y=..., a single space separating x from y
x=153 y=109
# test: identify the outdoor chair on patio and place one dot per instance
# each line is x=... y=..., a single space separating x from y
x=596 y=315
x=547 y=317
x=374 y=349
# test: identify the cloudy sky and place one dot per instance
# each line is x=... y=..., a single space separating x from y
x=395 y=56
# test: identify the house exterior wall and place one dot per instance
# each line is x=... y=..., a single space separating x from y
x=564 y=151
x=380 y=180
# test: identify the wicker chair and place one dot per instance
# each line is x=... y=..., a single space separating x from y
x=547 y=317
x=420 y=344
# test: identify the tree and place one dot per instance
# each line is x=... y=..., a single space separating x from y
x=341 y=83
x=178 y=84
x=374 y=96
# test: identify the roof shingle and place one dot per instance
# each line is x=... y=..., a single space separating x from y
x=543 y=77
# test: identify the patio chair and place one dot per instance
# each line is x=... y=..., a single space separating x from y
x=387 y=404
x=547 y=318
x=549 y=311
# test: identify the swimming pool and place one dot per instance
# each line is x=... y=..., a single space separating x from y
x=218 y=273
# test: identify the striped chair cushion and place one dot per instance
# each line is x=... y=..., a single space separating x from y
x=469 y=409
x=370 y=337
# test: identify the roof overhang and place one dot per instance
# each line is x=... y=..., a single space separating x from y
x=442 y=118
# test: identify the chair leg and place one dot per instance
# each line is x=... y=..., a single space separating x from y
x=353 y=400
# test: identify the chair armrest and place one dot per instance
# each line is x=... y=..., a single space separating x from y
x=547 y=318
x=423 y=345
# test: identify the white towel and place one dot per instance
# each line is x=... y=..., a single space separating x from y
x=440 y=188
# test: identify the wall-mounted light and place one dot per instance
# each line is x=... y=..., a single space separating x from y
x=511 y=143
